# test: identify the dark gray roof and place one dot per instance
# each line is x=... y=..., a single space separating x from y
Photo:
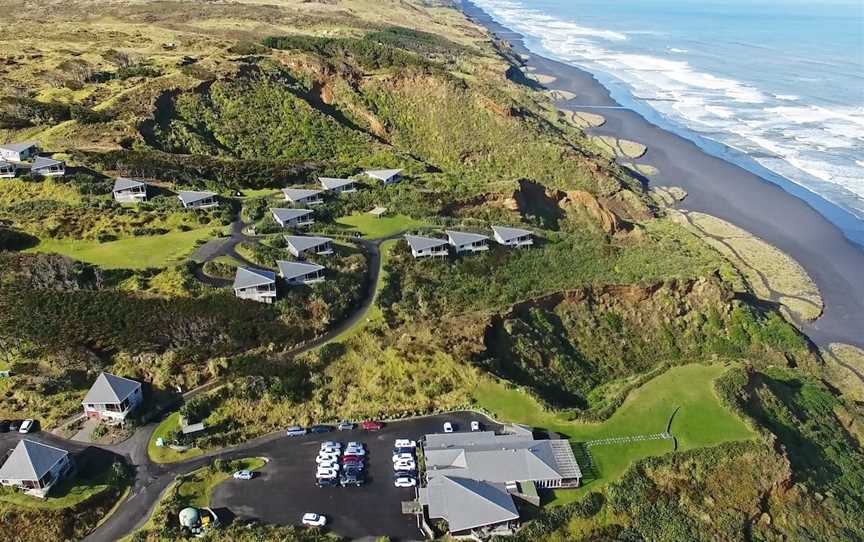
x=43 y=162
x=305 y=242
x=19 y=147
x=507 y=234
x=109 y=388
x=249 y=278
x=191 y=196
x=289 y=214
x=467 y=504
x=30 y=460
x=383 y=174
x=123 y=183
x=331 y=184
x=295 y=194
x=290 y=270
x=422 y=243
x=461 y=238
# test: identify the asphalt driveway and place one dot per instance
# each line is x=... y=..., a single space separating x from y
x=286 y=488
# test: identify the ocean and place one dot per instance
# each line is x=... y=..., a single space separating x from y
x=781 y=81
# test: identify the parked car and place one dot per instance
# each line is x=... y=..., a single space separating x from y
x=354 y=451
x=371 y=425
x=4 y=426
x=405 y=443
x=353 y=465
x=27 y=426
x=331 y=444
x=244 y=475
x=327 y=473
x=351 y=458
x=14 y=425
x=405 y=482
x=345 y=426
x=330 y=449
x=410 y=451
x=314 y=520
x=352 y=478
x=328 y=482
x=405 y=474
x=404 y=465
x=327 y=458
x=475 y=426
x=295 y=431
x=320 y=428
x=448 y=427
x=402 y=457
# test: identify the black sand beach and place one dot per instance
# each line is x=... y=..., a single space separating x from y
x=727 y=191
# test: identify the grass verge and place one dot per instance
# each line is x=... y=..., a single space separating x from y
x=165 y=454
x=376 y=228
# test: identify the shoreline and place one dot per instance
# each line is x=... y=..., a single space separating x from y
x=721 y=188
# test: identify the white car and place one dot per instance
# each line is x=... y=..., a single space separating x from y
x=405 y=482
x=354 y=451
x=405 y=443
x=355 y=444
x=404 y=465
x=475 y=426
x=314 y=520
x=448 y=427
x=332 y=464
x=402 y=457
x=331 y=450
x=326 y=458
x=26 y=426
x=244 y=475
x=327 y=473
x=330 y=444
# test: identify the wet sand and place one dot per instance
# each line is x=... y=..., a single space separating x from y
x=725 y=190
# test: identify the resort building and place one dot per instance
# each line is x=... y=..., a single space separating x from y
x=35 y=467
x=8 y=170
x=197 y=200
x=467 y=242
x=340 y=186
x=129 y=190
x=301 y=245
x=302 y=196
x=512 y=237
x=292 y=218
x=48 y=167
x=386 y=176
x=111 y=398
x=18 y=152
x=473 y=478
x=296 y=273
x=427 y=247
x=255 y=284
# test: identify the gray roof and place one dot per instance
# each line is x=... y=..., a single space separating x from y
x=42 y=162
x=383 y=174
x=249 y=278
x=30 y=460
x=422 y=243
x=305 y=242
x=467 y=504
x=19 y=147
x=461 y=238
x=123 y=183
x=507 y=234
x=109 y=388
x=192 y=428
x=295 y=194
x=289 y=214
x=331 y=184
x=290 y=270
x=190 y=196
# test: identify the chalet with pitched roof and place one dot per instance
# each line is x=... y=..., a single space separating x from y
x=467 y=242
x=35 y=467
x=302 y=245
x=255 y=284
x=302 y=196
x=129 y=190
x=197 y=200
x=48 y=167
x=18 y=152
x=512 y=237
x=386 y=176
x=297 y=273
x=112 y=398
x=339 y=186
x=292 y=218
x=427 y=247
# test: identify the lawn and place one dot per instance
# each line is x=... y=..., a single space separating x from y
x=166 y=454
x=132 y=253
x=197 y=486
x=65 y=494
x=376 y=228
x=701 y=421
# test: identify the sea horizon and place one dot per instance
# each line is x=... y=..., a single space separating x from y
x=753 y=98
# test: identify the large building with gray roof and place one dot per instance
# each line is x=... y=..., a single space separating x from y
x=35 y=467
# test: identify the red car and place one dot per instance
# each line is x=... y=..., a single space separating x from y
x=346 y=459
x=370 y=425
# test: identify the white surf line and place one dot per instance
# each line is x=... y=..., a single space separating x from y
x=598 y=106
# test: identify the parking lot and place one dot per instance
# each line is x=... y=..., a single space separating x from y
x=286 y=488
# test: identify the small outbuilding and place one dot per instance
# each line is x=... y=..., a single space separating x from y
x=198 y=200
x=340 y=186
x=129 y=190
x=112 y=398
x=302 y=196
x=427 y=247
x=8 y=170
x=296 y=273
x=18 y=152
x=512 y=237
x=48 y=167
x=300 y=245
x=292 y=218
x=35 y=467
x=386 y=176
x=255 y=284
x=467 y=242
